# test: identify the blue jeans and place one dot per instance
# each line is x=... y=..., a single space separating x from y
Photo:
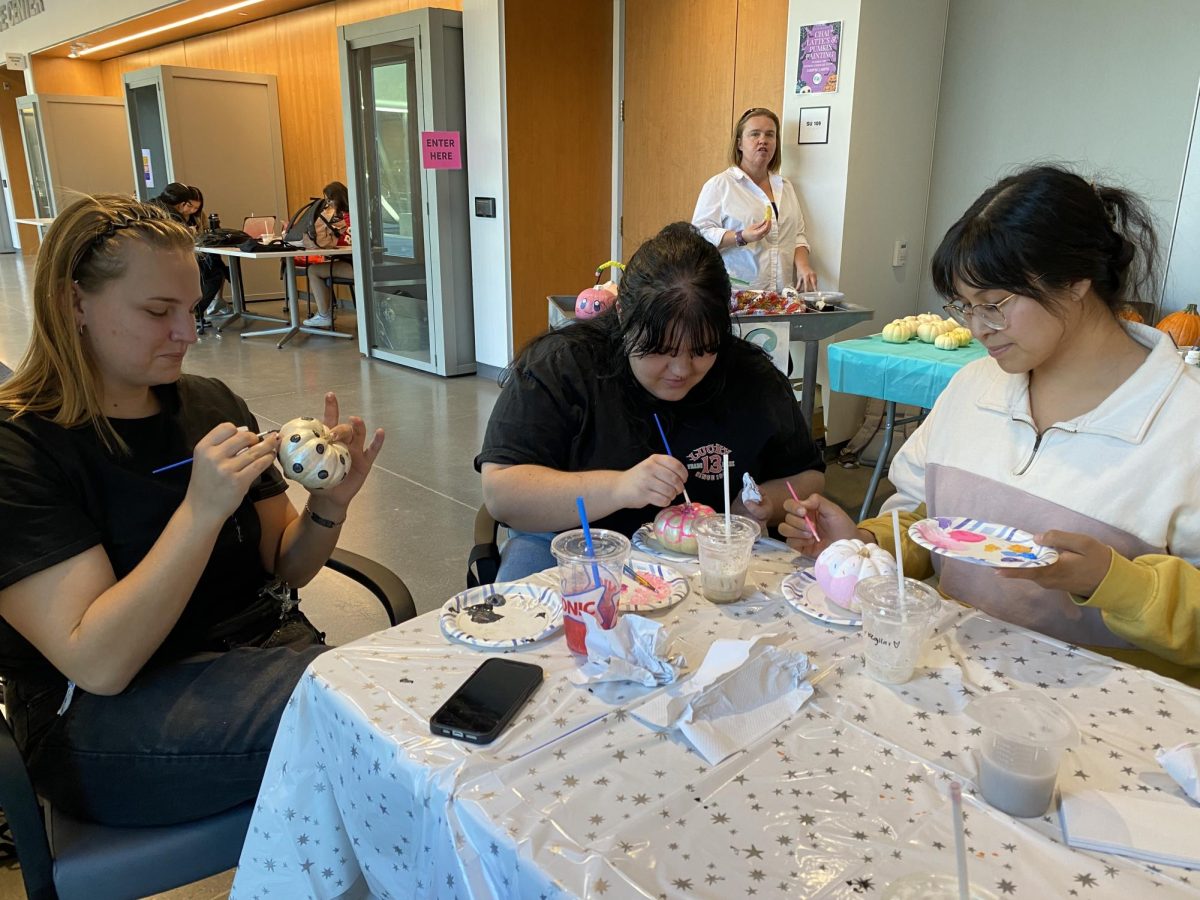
x=525 y=553
x=186 y=739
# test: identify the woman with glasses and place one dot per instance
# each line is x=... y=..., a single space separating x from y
x=576 y=415
x=1078 y=427
x=750 y=212
x=148 y=642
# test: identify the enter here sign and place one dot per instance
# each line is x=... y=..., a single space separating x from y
x=441 y=149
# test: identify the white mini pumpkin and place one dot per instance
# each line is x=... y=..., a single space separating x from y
x=309 y=455
x=843 y=564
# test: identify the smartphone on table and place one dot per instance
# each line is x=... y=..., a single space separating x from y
x=487 y=701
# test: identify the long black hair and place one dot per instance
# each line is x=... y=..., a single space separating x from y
x=339 y=196
x=673 y=297
x=177 y=193
x=1038 y=231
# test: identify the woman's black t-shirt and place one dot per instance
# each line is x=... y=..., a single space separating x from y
x=562 y=412
x=62 y=492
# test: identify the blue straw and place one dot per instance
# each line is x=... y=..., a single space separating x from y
x=587 y=539
x=663 y=435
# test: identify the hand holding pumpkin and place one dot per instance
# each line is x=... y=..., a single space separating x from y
x=1082 y=564
x=352 y=433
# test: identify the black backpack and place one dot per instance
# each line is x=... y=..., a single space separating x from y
x=303 y=223
x=222 y=237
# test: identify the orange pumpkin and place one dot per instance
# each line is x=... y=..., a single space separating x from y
x=1182 y=326
x=1129 y=314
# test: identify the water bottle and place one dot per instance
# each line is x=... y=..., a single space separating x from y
x=214 y=221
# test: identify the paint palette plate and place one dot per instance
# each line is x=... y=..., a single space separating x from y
x=981 y=543
x=670 y=586
x=801 y=590
x=644 y=540
x=502 y=616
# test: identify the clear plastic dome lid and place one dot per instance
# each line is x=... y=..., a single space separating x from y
x=1028 y=717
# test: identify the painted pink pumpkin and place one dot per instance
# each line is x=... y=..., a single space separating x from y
x=843 y=564
x=593 y=301
x=674 y=527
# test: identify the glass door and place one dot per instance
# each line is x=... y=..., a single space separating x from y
x=35 y=157
x=390 y=229
x=149 y=140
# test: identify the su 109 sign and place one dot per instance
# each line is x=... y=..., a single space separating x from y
x=441 y=149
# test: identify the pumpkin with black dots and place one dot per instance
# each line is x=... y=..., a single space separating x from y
x=309 y=454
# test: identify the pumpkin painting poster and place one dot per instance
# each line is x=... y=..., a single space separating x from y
x=820 y=46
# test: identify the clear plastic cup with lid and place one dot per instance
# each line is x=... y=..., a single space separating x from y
x=1024 y=736
x=894 y=629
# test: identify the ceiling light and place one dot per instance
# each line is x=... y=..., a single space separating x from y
x=233 y=7
x=77 y=47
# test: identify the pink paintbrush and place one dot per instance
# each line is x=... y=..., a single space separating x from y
x=807 y=518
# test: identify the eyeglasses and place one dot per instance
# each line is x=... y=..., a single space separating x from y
x=988 y=314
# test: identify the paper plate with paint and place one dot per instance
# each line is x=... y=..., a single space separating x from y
x=645 y=540
x=802 y=592
x=502 y=616
x=981 y=543
x=667 y=587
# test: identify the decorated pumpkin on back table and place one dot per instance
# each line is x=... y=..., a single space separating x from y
x=843 y=564
x=675 y=527
x=309 y=455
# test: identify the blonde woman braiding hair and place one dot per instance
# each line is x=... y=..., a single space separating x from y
x=85 y=246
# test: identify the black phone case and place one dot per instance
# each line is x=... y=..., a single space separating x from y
x=486 y=737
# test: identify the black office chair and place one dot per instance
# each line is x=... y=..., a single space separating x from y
x=66 y=859
x=484 y=561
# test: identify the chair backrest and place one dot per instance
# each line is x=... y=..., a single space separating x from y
x=257 y=226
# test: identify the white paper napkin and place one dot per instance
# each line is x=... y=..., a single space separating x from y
x=1183 y=764
x=1156 y=831
x=741 y=691
x=634 y=650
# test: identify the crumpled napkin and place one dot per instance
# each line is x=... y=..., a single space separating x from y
x=634 y=650
x=750 y=491
x=742 y=690
x=1183 y=764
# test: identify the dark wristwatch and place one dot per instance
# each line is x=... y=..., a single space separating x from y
x=738 y=239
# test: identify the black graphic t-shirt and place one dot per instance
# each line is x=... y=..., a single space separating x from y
x=560 y=412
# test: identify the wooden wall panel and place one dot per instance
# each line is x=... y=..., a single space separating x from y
x=678 y=98
x=12 y=86
x=209 y=51
x=350 y=11
x=760 y=57
x=559 y=150
x=252 y=48
x=59 y=75
x=310 y=102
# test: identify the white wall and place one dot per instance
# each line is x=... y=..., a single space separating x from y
x=1107 y=85
x=1183 y=268
x=487 y=176
x=862 y=195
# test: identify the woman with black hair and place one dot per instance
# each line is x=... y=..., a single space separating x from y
x=185 y=203
x=1078 y=427
x=332 y=227
x=575 y=417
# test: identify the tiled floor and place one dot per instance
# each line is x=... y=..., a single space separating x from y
x=416 y=512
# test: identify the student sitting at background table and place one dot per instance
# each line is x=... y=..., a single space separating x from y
x=576 y=416
x=185 y=204
x=147 y=637
x=1078 y=427
x=332 y=229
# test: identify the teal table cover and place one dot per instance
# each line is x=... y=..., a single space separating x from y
x=913 y=373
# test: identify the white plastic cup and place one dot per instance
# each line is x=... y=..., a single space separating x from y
x=1024 y=736
x=724 y=556
x=894 y=633
x=590 y=584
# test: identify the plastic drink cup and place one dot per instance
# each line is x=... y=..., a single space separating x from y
x=894 y=632
x=1024 y=735
x=590 y=585
x=724 y=556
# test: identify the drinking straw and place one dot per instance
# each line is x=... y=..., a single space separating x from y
x=184 y=462
x=899 y=554
x=587 y=539
x=725 y=469
x=807 y=518
x=960 y=848
x=663 y=435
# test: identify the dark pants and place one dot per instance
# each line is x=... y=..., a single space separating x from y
x=213 y=274
x=185 y=740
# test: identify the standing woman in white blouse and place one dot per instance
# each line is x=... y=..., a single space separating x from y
x=751 y=214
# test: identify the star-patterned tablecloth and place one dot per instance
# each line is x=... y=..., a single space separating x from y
x=578 y=799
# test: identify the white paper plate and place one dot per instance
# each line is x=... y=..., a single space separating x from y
x=670 y=587
x=502 y=616
x=806 y=596
x=981 y=543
